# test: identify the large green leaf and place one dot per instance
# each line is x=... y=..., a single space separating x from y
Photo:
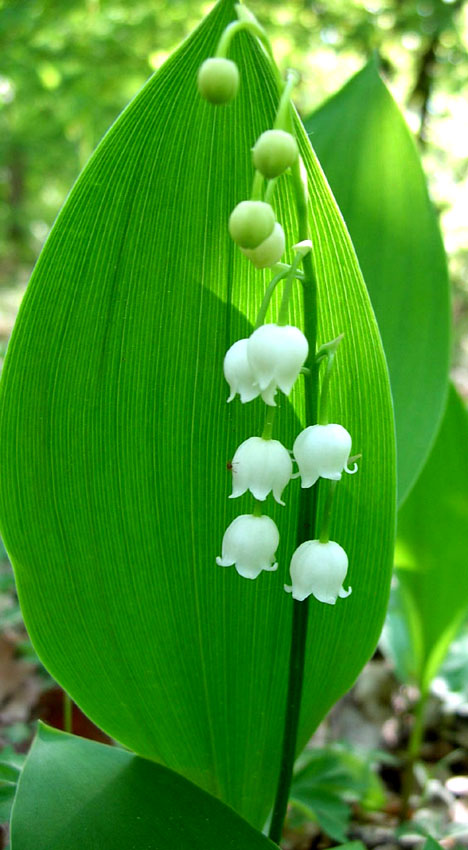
x=114 y=437
x=432 y=550
x=375 y=172
x=80 y=795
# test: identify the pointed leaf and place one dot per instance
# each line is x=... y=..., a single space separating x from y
x=432 y=550
x=80 y=795
x=114 y=437
x=375 y=172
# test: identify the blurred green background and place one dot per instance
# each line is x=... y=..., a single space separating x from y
x=68 y=69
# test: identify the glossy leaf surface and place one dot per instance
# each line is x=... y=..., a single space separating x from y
x=115 y=433
x=375 y=172
x=432 y=551
x=80 y=795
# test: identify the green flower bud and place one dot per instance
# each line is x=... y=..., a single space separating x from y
x=270 y=251
x=218 y=80
x=250 y=223
x=274 y=152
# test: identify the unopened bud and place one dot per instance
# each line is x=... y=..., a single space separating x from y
x=274 y=152
x=218 y=80
x=268 y=252
x=251 y=223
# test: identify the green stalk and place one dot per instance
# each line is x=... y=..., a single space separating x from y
x=267 y=297
x=327 y=351
x=67 y=713
x=414 y=749
x=324 y=535
x=291 y=277
x=306 y=530
x=268 y=426
x=246 y=25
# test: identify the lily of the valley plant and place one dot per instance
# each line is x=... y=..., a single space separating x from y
x=272 y=359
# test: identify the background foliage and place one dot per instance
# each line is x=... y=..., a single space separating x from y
x=69 y=69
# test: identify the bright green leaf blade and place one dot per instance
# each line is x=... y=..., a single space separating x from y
x=80 y=795
x=432 y=550
x=114 y=437
x=374 y=170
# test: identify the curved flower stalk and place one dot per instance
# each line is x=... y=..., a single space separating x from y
x=250 y=543
x=322 y=451
x=261 y=466
x=319 y=569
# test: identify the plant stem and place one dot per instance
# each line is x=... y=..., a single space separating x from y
x=268 y=426
x=414 y=749
x=257 y=187
x=306 y=529
x=283 y=313
x=283 y=115
x=295 y=681
x=258 y=508
x=67 y=713
x=267 y=297
x=239 y=26
x=327 y=351
x=324 y=536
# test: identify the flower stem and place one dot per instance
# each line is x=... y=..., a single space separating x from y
x=306 y=530
x=283 y=115
x=268 y=426
x=67 y=713
x=414 y=749
x=258 y=508
x=295 y=681
x=267 y=297
x=327 y=351
x=238 y=26
x=257 y=187
x=283 y=313
x=324 y=535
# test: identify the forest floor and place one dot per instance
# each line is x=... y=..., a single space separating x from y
x=352 y=774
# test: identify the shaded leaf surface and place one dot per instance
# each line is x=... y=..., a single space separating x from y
x=432 y=550
x=80 y=795
x=374 y=170
x=114 y=437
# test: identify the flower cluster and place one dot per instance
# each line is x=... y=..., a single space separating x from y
x=270 y=360
x=262 y=466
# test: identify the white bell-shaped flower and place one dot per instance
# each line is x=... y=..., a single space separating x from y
x=322 y=451
x=276 y=354
x=319 y=569
x=260 y=466
x=250 y=542
x=238 y=372
x=240 y=378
